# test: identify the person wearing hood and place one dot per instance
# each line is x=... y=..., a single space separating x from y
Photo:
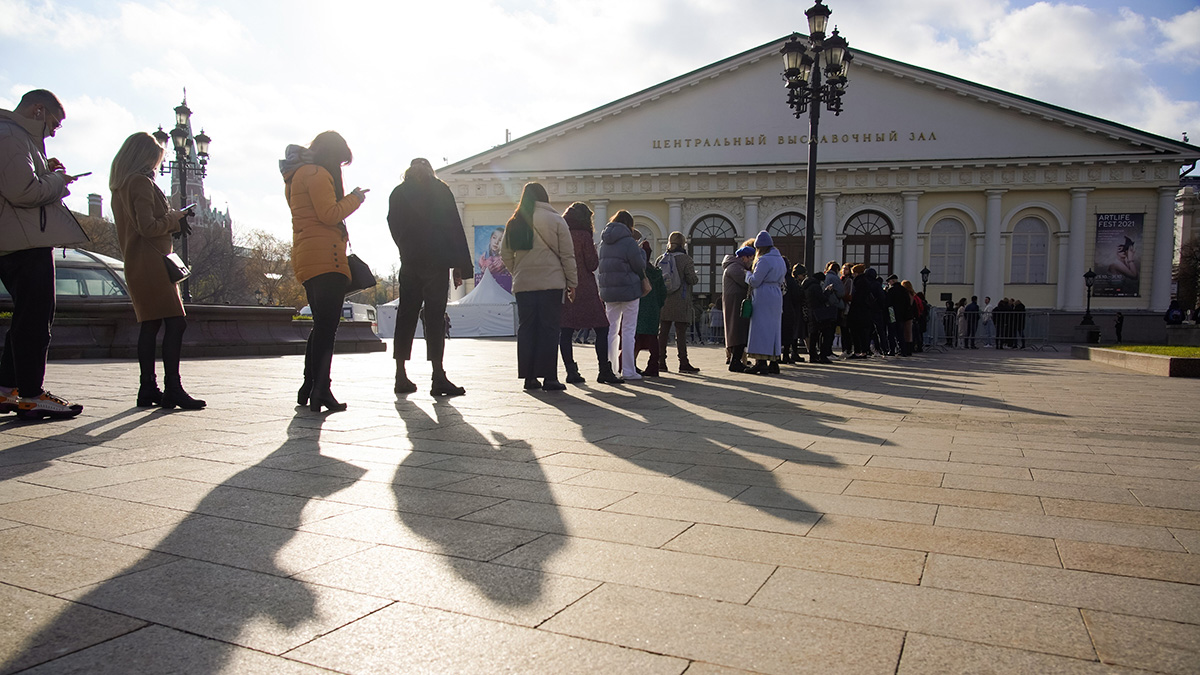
x=145 y=225
x=312 y=179
x=538 y=251
x=622 y=272
x=766 y=282
x=425 y=225
x=33 y=220
x=678 y=308
x=586 y=311
x=733 y=291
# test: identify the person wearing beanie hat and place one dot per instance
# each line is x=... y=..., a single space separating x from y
x=733 y=291
x=677 y=310
x=766 y=282
x=586 y=311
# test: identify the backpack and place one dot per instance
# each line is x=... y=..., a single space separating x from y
x=671 y=278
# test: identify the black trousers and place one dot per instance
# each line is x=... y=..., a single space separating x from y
x=539 y=314
x=326 y=293
x=29 y=277
x=567 y=349
x=418 y=288
x=172 y=347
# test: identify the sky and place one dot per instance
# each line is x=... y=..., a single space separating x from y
x=401 y=79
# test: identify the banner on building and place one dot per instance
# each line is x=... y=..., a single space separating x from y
x=487 y=255
x=1118 y=257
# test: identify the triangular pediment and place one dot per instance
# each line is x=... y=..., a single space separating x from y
x=733 y=115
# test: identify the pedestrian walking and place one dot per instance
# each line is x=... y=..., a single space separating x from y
x=424 y=222
x=538 y=251
x=312 y=179
x=146 y=224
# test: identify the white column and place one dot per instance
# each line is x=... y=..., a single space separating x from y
x=675 y=215
x=977 y=284
x=599 y=216
x=911 y=265
x=750 y=228
x=993 y=255
x=829 y=248
x=1061 y=301
x=1075 y=250
x=1164 y=250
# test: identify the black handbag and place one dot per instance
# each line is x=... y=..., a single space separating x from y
x=177 y=271
x=361 y=277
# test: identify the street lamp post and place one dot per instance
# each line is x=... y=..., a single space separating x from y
x=183 y=163
x=925 y=282
x=803 y=64
x=1089 y=278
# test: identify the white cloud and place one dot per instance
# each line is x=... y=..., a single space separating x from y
x=1182 y=35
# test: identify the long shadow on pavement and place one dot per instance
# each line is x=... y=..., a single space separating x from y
x=219 y=578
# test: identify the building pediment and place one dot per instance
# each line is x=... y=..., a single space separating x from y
x=732 y=115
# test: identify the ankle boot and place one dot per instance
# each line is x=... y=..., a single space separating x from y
x=760 y=368
x=305 y=391
x=322 y=396
x=735 y=360
x=175 y=397
x=403 y=384
x=773 y=367
x=686 y=367
x=607 y=376
x=442 y=386
x=149 y=394
x=573 y=376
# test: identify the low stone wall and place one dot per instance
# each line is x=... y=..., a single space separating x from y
x=110 y=331
x=1151 y=364
x=1184 y=335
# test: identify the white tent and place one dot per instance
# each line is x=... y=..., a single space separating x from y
x=487 y=311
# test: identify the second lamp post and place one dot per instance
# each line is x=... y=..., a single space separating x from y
x=181 y=137
x=803 y=65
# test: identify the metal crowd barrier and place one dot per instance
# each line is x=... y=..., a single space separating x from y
x=1018 y=330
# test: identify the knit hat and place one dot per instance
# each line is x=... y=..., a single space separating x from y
x=763 y=239
x=745 y=252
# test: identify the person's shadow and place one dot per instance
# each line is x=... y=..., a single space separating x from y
x=38 y=452
x=216 y=576
x=467 y=543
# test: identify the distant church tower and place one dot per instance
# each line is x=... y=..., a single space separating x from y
x=206 y=215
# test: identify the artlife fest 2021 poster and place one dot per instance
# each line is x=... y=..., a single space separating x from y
x=487 y=255
x=1118 y=255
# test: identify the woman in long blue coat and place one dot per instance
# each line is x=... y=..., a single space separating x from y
x=766 y=282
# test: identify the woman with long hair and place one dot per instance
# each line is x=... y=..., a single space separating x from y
x=312 y=179
x=586 y=311
x=145 y=224
x=538 y=251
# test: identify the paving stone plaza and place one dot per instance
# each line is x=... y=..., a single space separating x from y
x=960 y=512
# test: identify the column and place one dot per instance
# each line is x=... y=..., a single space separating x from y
x=910 y=263
x=1075 y=250
x=829 y=248
x=1164 y=250
x=674 y=220
x=993 y=256
x=1061 y=238
x=977 y=284
x=751 y=228
x=599 y=216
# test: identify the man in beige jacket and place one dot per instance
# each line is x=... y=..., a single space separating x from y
x=33 y=220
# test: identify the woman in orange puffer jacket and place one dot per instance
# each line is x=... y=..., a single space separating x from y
x=312 y=179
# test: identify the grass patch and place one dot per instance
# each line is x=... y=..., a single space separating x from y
x=1161 y=350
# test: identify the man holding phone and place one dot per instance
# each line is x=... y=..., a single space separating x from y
x=33 y=220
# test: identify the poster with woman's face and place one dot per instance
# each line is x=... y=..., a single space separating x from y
x=487 y=255
x=1118 y=256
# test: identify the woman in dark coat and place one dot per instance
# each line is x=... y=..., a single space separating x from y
x=649 y=310
x=587 y=310
x=793 y=310
x=733 y=292
x=678 y=308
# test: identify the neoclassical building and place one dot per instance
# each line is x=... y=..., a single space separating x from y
x=999 y=195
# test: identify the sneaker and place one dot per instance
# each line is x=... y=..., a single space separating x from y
x=631 y=377
x=8 y=400
x=46 y=405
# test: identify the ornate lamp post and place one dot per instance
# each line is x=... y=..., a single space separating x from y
x=1089 y=278
x=925 y=282
x=802 y=68
x=183 y=163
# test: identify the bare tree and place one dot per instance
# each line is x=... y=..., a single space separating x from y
x=269 y=274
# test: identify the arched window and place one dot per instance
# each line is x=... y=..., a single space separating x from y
x=711 y=238
x=1030 y=243
x=787 y=230
x=947 y=252
x=869 y=241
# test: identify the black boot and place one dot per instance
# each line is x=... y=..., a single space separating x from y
x=573 y=376
x=760 y=368
x=149 y=395
x=607 y=376
x=305 y=391
x=403 y=384
x=175 y=397
x=552 y=384
x=322 y=396
x=442 y=386
x=773 y=367
x=735 y=360
x=321 y=393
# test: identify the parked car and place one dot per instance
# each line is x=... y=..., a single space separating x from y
x=352 y=311
x=85 y=276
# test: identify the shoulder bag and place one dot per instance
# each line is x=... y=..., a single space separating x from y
x=361 y=277
x=177 y=271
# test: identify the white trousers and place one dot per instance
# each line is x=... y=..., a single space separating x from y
x=624 y=315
